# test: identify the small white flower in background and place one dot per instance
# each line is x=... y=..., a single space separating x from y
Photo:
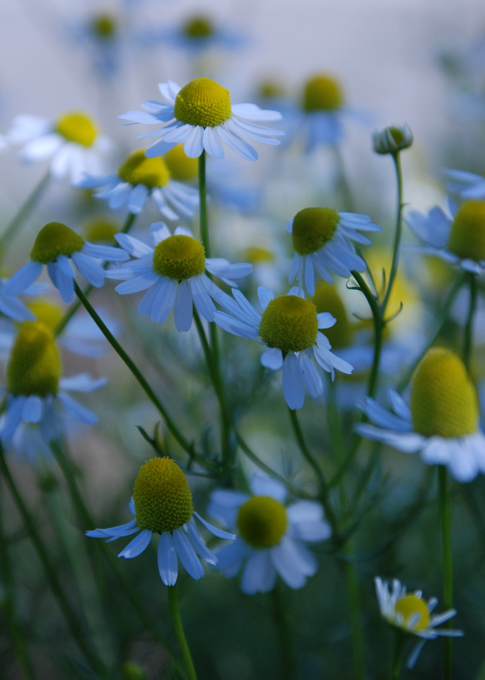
x=443 y=421
x=290 y=328
x=55 y=246
x=466 y=184
x=72 y=141
x=139 y=178
x=162 y=504
x=201 y=115
x=199 y=33
x=173 y=271
x=322 y=241
x=271 y=536
x=412 y=614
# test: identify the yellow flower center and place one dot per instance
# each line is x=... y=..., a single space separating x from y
x=138 y=169
x=163 y=501
x=198 y=27
x=101 y=230
x=271 y=89
x=467 y=236
x=327 y=299
x=53 y=240
x=409 y=606
x=313 y=228
x=181 y=167
x=289 y=323
x=258 y=255
x=179 y=257
x=46 y=312
x=34 y=367
x=104 y=26
x=77 y=127
x=203 y=102
x=322 y=93
x=443 y=398
x=262 y=522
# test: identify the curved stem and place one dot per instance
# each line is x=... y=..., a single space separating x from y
x=24 y=211
x=445 y=513
x=468 y=335
x=377 y=316
x=396 y=157
x=179 y=631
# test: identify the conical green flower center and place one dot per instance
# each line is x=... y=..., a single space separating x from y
x=34 y=367
x=138 y=169
x=46 y=312
x=104 y=26
x=443 y=398
x=101 y=230
x=53 y=240
x=198 y=27
x=77 y=127
x=467 y=235
x=262 y=522
x=327 y=299
x=179 y=257
x=322 y=93
x=289 y=323
x=181 y=167
x=313 y=228
x=409 y=606
x=162 y=496
x=203 y=102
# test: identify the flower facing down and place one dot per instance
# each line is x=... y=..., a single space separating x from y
x=290 y=328
x=173 y=274
x=201 y=115
x=271 y=536
x=411 y=614
x=72 y=141
x=56 y=246
x=162 y=504
x=443 y=421
x=322 y=241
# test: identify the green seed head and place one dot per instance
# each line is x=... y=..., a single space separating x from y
x=138 y=169
x=53 y=240
x=467 y=236
x=34 y=367
x=322 y=93
x=203 y=102
x=262 y=522
x=289 y=323
x=313 y=228
x=179 y=257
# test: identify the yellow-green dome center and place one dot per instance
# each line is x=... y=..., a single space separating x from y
x=104 y=26
x=313 y=228
x=262 y=522
x=138 y=169
x=34 y=367
x=101 y=230
x=322 y=93
x=203 y=102
x=467 y=235
x=327 y=299
x=55 y=239
x=411 y=605
x=179 y=257
x=181 y=167
x=198 y=27
x=77 y=127
x=289 y=323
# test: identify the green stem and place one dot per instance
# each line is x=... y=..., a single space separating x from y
x=445 y=513
x=285 y=636
x=179 y=631
x=397 y=650
x=468 y=336
x=377 y=316
x=24 y=212
x=396 y=157
x=355 y=611
x=204 y=227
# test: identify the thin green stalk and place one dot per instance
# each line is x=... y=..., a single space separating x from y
x=396 y=157
x=378 y=331
x=285 y=634
x=55 y=586
x=24 y=212
x=468 y=335
x=179 y=631
x=87 y=291
x=445 y=514
x=204 y=227
x=397 y=650
x=355 y=611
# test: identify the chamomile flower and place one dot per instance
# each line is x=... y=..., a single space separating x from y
x=392 y=139
x=412 y=614
x=322 y=241
x=35 y=384
x=442 y=422
x=72 y=141
x=201 y=115
x=466 y=184
x=173 y=274
x=290 y=328
x=139 y=178
x=459 y=239
x=55 y=246
x=162 y=504
x=199 y=33
x=271 y=536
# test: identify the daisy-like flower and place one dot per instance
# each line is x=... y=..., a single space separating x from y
x=137 y=179
x=459 y=239
x=201 y=115
x=72 y=141
x=322 y=241
x=392 y=139
x=466 y=184
x=34 y=384
x=199 y=33
x=173 y=274
x=55 y=246
x=443 y=421
x=411 y=614
x=271 y=536
x=290 y=328
x=162 y=504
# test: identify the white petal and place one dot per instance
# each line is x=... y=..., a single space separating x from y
x=182 y=308
x=240 y=146
x=133 y=246
x=23 y=278
x=163 y=302
x=215 y=530
x=137 y=545
x=262 y=485
x=212 y=143
x=167 y=560
x=137 y=198
x=77 y=411
x=293 y=382
x=272 y=358
x=193 y=147
x=258 y=574
x=198 y=544
x=187 y=555
x=288 y=564
x=89 y=268
x=265 y=296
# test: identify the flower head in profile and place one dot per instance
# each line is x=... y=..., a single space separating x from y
x=162 y=504
x=139 y=178
x=442 y=422
x=322 y=241
x=201 y=115
x=173 y=274
x=290 y=328
x=392 y=139
x=459 y=239
x=271 y=535
x=57 y=247
x=412 y=614
x=72 y=142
